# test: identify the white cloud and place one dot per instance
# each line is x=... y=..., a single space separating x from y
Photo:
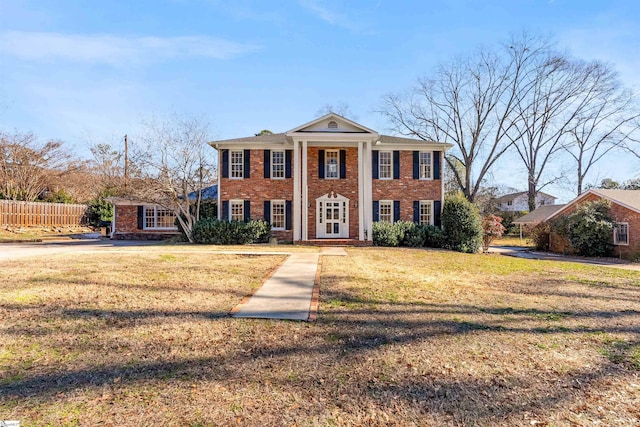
x=115 y=50
x=331 y=17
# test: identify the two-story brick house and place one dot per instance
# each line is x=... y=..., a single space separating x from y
x=329 y=179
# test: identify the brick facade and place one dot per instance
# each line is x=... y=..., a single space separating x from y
x=407 y=189
x=127 y=226
x=619 y=214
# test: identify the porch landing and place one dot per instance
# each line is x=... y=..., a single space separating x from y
x=334 y=242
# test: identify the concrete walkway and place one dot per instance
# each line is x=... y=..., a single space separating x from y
x=291 y=292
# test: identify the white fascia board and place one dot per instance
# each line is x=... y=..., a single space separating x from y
x=316 y=137
x=416 y=146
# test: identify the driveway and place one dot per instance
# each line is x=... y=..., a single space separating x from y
x=10 y=251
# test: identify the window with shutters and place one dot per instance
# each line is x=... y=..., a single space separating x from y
x=277 y=164
x=385 y=165
x=332 y=164
x=621 y=233
x=157 y=218
x=426 y=212
x=386 y=210
x=425 y=165
x=277 y=215
x=236 y=164
x=236 y=210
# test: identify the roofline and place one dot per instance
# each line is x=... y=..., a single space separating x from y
x=516 y=221
x=594 y=192
x=326 y=116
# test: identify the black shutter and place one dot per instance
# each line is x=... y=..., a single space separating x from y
x=247 y=210
x=436 y=213
x=436 y=165
x=416 y=211
x=416 y=165
x=247 y=164
x=374 y=166
x=343 y=164
x=267 y=163
x=321 y=164
x=267 y=211
x=396 y=165
x=225 y=163
x=140 y=217
x=396 y=210
x=225 y=211
x=376 y=211
x=287 y=215
x=287 y=163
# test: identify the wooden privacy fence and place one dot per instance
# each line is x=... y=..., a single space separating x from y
x=24 y=214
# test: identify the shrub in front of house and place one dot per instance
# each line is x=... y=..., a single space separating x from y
x=589 y=228
x=210 y=231
x=387 y=234
x=462 y=225
x=407 y=233
x=539 y=234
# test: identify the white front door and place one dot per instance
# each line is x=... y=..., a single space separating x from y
x=332 y=217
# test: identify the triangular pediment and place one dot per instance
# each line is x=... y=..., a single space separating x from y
x=331 y=123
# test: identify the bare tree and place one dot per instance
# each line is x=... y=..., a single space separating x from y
x=28 y=168
x=468 y=102
x=342 y=109
x=604 y=124
x=170 y=163
x=108 y=164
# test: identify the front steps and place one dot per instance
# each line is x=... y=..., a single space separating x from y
x=334 y=242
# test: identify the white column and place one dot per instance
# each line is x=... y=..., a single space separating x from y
x=305 y=194
x=361 y=179
x=296 y=191
x=368 y=191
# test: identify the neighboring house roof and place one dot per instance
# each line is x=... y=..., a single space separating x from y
x=207 y=193
x=630 y=199
x=539 y=215
x=512 y=196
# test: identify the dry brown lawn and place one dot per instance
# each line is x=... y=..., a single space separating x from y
x=403 y=337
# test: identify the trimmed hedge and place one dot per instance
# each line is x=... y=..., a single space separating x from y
x=210 y=231
x=406 y=233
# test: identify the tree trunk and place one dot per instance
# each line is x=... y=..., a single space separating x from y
x=531 y=193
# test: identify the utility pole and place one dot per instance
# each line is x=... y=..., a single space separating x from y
x=126 y=162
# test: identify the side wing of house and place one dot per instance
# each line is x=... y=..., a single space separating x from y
x=134 y=220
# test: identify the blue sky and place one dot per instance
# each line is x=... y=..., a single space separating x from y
x=87 y=71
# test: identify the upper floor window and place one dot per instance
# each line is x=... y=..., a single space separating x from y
x=425 y=165
x=277 y=164
x=386 y=210
x=331 y=164
x=159 y=218
x=426 y=212
x=237 y=164
x=621 y=233
x=509 y=202
x=277 y=215
x=236 y=210
x=385 y=165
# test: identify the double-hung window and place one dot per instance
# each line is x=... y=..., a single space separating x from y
x=621 y=233
x=159 y=218
x=425 y=165
x=277 y=164
x=332 y=164
x=277 y=215
x=385 y=165
x=237 y=164
x=236 y=210
x=386 y=210
x=426 y=212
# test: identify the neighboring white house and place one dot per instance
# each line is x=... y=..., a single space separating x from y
x=519 y=202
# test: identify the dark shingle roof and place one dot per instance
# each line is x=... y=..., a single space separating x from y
x=274 y=138
x=210 y=193
x=538 y=215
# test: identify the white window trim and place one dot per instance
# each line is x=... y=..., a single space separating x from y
x=231 y=203
x=284 y=214
x=391 y=205
x=231 y=164
x=326 y=164
x=615 y=235
x=390 y=177
x=284 y=164
x=420 y=202
x=430 y=177
x=155 y=218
